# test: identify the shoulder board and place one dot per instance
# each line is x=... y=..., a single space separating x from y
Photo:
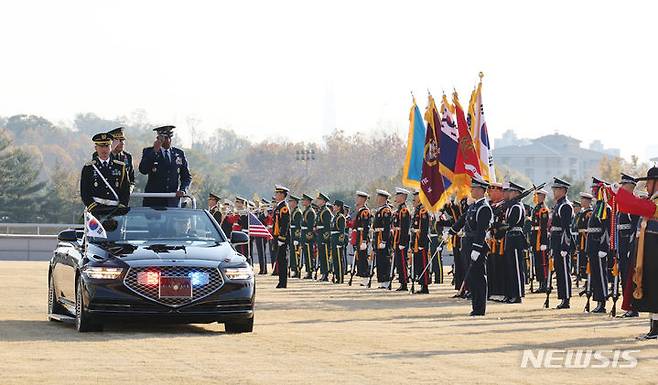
x=119 y=162
x=89 y=163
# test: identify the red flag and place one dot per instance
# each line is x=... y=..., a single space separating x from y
x=431 y=182
x=468 y=164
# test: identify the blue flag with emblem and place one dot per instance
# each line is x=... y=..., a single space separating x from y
x=413 y=164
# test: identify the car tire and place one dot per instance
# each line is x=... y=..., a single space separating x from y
x=53 y=306
x=241 y=326
x=83 y=321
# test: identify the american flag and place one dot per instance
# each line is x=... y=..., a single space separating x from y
x=257 y=229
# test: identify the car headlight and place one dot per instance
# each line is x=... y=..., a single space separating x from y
x=97 y=272
x=237 y=273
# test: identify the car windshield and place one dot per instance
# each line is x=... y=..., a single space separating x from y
x=141 y=225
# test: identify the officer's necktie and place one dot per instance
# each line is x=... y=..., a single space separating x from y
x=167 y=157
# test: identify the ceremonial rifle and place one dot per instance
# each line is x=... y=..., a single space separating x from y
x=588 y=288
x=430 y=261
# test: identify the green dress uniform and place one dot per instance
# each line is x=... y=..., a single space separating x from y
x=308 y=239
x=323 y=233
x=338 y=242
x=296 y=241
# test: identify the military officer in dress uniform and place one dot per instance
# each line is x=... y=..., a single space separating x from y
x=626 y=229
x=213 y=207
x=118 y=153
x=281 y=233
x=308 y=235
x=362 y=221
x=323 y=235
x=167 y=169
x=581 y=221
x=496 y=242
x=295 y=236
x=476 y=222
x=598 y=236
x=104 y=181
x=381 y=232
x=338 y=241
x=561 y=245
x=401 y=228
x=539 y=238
x=420 y=228
x=515 y=245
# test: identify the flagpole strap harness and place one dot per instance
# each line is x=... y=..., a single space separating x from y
x=106 y=202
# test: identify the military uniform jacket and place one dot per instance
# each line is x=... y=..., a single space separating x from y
x=598 y=230
x=296 y=224
x=126 y=158
x=539 y=229
x=560 y=228
x=281 y=227
x=338 y=237
x=216 y=213
x=323 y=225
x=420 y=227
x=163 y=175
x=401 y=226
x=381 y=225
x=475 y=222
x=362 y=221
x=514 y=219
x=308 y=222
x=626 y=227
x=94 y=191
x=582 y=219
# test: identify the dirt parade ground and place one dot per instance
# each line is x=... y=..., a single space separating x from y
x=318 y=333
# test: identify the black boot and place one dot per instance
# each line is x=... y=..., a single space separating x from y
x=563 y=305
x=653 y=332
x=325 y=278
x=514 y=300
x=423 y=290
x=630 y=314
x=403 y=287
x=600 y=307
x=308 y=276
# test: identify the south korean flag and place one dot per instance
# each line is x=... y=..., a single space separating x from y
x=94 y=227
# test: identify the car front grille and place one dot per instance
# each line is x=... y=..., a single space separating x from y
x=151 y=292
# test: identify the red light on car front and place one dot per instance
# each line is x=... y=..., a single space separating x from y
x=148 y=278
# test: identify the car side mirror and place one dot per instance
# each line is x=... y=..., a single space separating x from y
x=67 y=236
x=239 y=238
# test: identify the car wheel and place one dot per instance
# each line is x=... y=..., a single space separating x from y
x=241 y=326
x=53 y=306
x=83 y=322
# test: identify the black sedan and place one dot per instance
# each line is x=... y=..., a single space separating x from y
x=171 y=265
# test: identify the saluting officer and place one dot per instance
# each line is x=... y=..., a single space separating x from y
x=213 y=207
x=338 y=241
x=420 y=227
x=626 y=228
x=104 y=181
x=598 y=236
x=401 y=227
x=281 y=233
x=308 y=236
x=381 y=226
x=561 y=245
x=515 y=244
x=323 y=235
x=362 y=220
x=539 y=238
x=295 y=236
x=119 y=153
x=476 y=222
x=167 y=169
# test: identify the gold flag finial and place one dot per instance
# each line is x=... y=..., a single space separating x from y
x=481 y=75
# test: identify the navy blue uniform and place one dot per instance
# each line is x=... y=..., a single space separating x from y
x=562 y=216
x=626 y=228
x=515 y=245
x=95 y=193
x=598 y=236
x=164 y=175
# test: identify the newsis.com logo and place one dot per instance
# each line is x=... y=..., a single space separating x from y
x=578 y=358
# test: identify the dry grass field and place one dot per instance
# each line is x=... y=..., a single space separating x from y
x=315 y=333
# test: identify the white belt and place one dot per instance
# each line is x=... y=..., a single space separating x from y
x=555 y=228
x=516 y=229
x=415 y=230
x=396 y=228
x=304 y=228
x=293 y=226
x=359 y=228
x=594 y=230
x=335 y=232
x=106 y=202
x=535 y=228
x=626 y=226
x=319 y=227
x=378 y=229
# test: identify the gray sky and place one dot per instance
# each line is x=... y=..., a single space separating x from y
x=297 y=69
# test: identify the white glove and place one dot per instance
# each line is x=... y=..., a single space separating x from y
x=602 y=254
x=420 y=248
x=401 y=247
x=363 y=246
x=280 y=243
x=474 y=255
x=543 y=247
x=295 y=243
x=445 y=237
x=382 y=245
x=563 y=253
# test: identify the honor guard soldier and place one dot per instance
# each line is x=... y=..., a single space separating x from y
x=166 y=168
x=323 y=235
x=476 y=222
x=213 y=207
x=338 y=241
x=295 y=236
x=598 y=236
x=362 y=220
x=281 y=233
x=561 y=245
x=381 y=230
x=225 y=224
x=401 y=229
x=261 y=243
x=420 y=227
x=539 y=238
x=496 y=242
x=119 y=153
x=515 y=245
x=626 y=229
x=455 y=210
x=104 y=181
x=582 y=219
x=308 y=236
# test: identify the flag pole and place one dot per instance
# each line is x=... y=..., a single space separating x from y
x=251 y=259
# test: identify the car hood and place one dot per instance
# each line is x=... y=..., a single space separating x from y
x=214 y=253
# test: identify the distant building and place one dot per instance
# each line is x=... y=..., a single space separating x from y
x=509 y=138
x=552 y=155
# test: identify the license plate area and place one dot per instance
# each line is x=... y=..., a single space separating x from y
x=175 y=287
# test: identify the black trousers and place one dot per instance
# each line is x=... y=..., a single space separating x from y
x=324 y=253
x=338 y=263
x=562 y=274
x=420 y=261
x=383 y=265
x=401 y=265
x=541 y=265
x=282 y=264
x=476 y=279
x=262 y=258
x=514 y=271
x=294 y=257
x=460 y=268
x=362 y=266
x=599 y=275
